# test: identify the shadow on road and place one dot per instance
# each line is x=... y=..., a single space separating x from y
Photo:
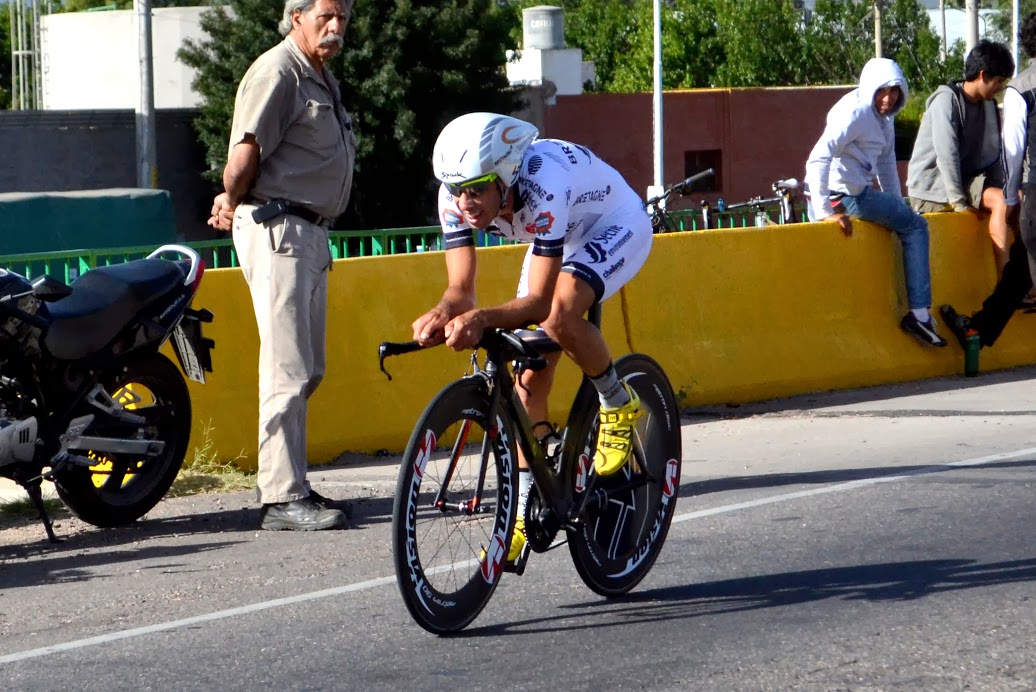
x=899 y=581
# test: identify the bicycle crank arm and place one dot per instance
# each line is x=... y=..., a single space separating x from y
x=596 y=499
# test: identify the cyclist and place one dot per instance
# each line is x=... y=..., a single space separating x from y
x=589 y=234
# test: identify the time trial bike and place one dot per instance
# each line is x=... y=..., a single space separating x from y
x=457 y=491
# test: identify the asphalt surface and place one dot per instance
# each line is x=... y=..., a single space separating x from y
x=879 y=539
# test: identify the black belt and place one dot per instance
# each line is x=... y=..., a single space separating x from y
x=269 y=209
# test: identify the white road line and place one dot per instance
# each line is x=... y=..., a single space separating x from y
x=852 y=485
x=384 y=581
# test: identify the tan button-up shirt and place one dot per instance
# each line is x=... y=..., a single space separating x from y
x=306 y=143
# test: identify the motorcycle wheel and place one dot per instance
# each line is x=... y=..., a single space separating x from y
x=123 y=487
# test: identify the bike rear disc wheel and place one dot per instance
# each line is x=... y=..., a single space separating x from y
x=615 y=546
x=449 y=557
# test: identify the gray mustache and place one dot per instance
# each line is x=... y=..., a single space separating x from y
x=333 y=38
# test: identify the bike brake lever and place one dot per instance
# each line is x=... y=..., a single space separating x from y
x=389 y=348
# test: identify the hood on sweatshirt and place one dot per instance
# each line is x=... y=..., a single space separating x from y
x=879 y=73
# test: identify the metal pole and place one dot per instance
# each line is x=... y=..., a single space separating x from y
x=14 y=58
x=658 y=93
x=877 y=28
x=1015 y=28
x=942 y=35
x=970 y=24
x=37 y=73
x=147 y=168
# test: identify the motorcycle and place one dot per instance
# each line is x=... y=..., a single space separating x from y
x=86 y=399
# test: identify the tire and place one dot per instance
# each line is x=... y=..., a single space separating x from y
x=121 y=488
x=444 y=571
x=615 y=546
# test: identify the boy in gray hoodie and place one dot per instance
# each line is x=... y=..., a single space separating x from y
x=857 y=148
x=956 y=164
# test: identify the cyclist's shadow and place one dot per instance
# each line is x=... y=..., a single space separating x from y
x=897 y=581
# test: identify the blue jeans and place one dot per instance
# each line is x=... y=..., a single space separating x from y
x=893 y=213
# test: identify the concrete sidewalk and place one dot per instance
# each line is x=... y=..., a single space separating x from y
x=11 y=491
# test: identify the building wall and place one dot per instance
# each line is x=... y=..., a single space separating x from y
x=90 y=59
x=61 y=151
x=752 y=137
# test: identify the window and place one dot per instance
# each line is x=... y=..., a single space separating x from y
x=698 y=161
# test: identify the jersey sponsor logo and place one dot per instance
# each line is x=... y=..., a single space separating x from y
x=529 y=200
x=528 y=185
x=619 y=243
x=614 y=268
x=451 y=218
x=543 y=222
x=504 y=136
x=596 y=251
x=593 y=196
x=569 y=154
x=535 y=164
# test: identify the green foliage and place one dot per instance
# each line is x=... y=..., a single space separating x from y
x=762 y=41
x=408 y=67
x=688 y=62
x=5 y=56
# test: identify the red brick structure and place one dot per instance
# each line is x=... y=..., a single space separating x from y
x=752 y=137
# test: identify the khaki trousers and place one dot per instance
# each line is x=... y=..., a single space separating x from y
x=285 y=262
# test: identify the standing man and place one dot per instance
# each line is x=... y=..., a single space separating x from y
x=956 y=164
x=288 y=176
x=857 y=148
x=1019 y=132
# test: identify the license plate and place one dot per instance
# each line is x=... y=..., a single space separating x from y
x=192 y=349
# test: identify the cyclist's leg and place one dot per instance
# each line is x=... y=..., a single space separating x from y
x=591 y=273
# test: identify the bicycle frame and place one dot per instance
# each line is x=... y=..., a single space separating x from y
x=558 y=501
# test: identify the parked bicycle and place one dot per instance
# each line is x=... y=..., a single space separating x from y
x=456 y=497
x=661 y=221
x=783 y=198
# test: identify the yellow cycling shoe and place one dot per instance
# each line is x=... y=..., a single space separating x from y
x=517 y=540
x=615 y=435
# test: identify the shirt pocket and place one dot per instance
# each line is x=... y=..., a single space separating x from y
x=322 y=129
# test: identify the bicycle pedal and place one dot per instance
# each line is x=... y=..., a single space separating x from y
x=518 y=566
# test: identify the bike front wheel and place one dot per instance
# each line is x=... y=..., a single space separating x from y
x=618 y=539
x=454 y=510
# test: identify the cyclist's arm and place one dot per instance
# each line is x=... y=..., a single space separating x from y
x=532 y=308
x=465 y=330
x=457 y=299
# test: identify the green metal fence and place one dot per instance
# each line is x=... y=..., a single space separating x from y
x=69 y=264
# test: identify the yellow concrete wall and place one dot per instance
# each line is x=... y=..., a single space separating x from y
x=732 y=315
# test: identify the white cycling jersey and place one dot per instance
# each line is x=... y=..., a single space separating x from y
x=569 y=204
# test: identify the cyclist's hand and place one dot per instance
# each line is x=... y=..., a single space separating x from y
x=464 y=331
x=843 y=221
x=428 y=328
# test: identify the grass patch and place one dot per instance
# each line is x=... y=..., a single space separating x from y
x=207 y=473
x=22 y=508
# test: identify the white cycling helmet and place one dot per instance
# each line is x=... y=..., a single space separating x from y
x=478 y=144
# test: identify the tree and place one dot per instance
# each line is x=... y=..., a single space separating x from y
x=408 y=67
x=691 y=47
x=5 y=56
x=763 y=43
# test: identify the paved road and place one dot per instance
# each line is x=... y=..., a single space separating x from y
x=870 y=540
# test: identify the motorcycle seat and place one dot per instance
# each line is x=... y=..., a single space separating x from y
x=103 y=302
